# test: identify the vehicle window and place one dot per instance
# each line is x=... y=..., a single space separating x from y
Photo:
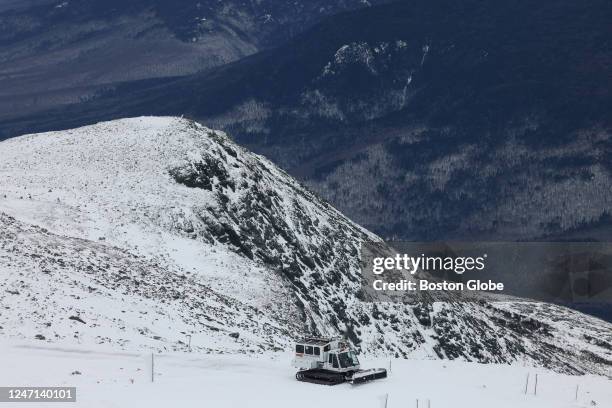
x=354 y=358
x=346 y=360
x=335 y=361
x=299 y=349
x=317 y=351
x=326 y=348
x=330 y=358
x=309 y=350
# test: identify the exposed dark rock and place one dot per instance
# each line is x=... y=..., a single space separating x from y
x=77 y=318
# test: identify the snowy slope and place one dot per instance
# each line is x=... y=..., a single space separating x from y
x=57 y=288
x=148 y=229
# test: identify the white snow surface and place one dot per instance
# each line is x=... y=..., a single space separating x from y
x=107 y=378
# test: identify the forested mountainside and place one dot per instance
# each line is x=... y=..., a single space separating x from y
x=421 y=119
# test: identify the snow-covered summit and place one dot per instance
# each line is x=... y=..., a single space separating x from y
x=191 y=201
x=137 y=232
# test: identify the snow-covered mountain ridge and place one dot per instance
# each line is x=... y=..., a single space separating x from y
x=139 y=231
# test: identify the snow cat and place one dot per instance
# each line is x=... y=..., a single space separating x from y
x=330 y=361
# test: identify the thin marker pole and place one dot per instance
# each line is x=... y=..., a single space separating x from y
x=577 y=386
